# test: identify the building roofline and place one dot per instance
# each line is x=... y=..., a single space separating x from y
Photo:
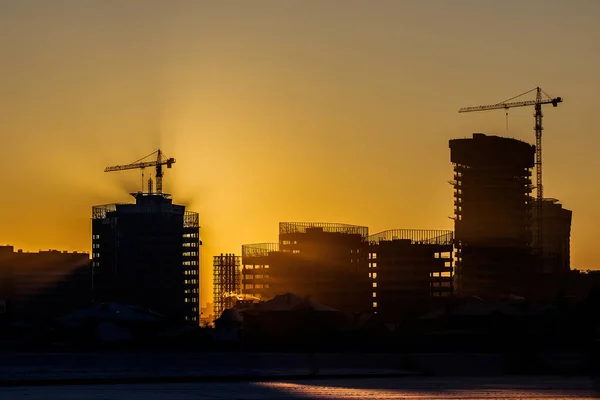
x=416 y=236
x=330 y=227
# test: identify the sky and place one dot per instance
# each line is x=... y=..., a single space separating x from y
x=331 y=111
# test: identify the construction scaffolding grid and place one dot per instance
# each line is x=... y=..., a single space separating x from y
x=416 y=236
x=226 y=281
x=191 y=219
x=259 y=249
x=301 y=227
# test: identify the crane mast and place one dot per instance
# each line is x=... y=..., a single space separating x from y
x=537 y=103
x=141 y=164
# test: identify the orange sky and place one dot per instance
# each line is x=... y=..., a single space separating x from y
x=335 y=111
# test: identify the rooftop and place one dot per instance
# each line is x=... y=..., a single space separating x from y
x=415 y=236
x=301 y=227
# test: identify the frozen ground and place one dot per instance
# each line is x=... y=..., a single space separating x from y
x=530 y=388
x=123 y=366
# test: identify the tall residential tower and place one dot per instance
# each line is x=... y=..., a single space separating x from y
x=147 y=254
x=493 y=216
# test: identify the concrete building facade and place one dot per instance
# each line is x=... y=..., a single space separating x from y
x=147 y=254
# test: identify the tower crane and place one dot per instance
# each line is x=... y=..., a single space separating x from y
x=141 y=164
x=541 y=98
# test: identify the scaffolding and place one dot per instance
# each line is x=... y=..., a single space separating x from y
x=415 y=236
x=226 y=281
x=301 y=227
x=259 y=249
x=191 y=219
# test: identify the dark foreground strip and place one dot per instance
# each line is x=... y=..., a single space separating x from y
x=188 y=379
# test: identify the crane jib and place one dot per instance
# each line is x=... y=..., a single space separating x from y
x=158 y=163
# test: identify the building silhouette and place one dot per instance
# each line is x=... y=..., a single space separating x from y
x=147 y=254
x=493 y=216
x=553 y=269
x=326 y=262
x=38 y=286
x=258 y=261
x=226 y=281
x=411 y=271
x=556 y=225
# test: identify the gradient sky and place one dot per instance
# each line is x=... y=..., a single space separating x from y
x=307 y=110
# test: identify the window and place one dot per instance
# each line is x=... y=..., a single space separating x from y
x=374 y=265
x=258 y=276
x=285 y=242
x=374 y=294
x=248 y=266
x=374 y=256
x=374 y=304
x=249 y=276
x=258 y=286
x=296 y=251
x=374 y=275
x=249 y=286
x=267 y=286
x=374 y=284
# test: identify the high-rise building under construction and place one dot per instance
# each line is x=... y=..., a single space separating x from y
x=147 y=254
x=324 y=261
x=410 y=271
x=493 y=216
x=556 y=225
x=258 y=260
x=327 y=261
x=555 y=264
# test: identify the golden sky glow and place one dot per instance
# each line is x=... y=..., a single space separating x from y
x=335 y=111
